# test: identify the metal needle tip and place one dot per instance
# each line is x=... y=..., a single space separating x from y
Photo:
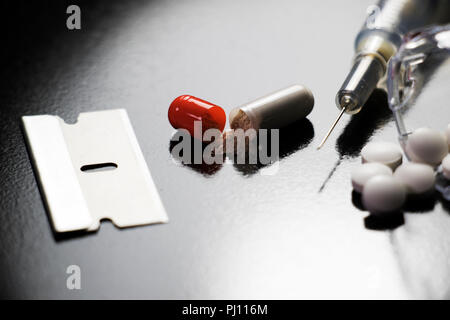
x=332 y=127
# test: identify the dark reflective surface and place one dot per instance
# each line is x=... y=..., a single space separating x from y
x=360 y=129
x=292 y=138
x=363 y=125
x=230 y=235
x=190 y=161
x=421 y=203
x=391 y=220
x=357 y=200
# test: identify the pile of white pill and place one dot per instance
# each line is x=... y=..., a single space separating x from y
x=384 y=181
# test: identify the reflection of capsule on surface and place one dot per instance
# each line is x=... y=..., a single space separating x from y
x=185 y=110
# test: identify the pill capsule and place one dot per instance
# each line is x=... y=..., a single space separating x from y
x=427 y=145
x=363 y=173
x=446 y=167
x=186 y=109
x=275 y=110
x=383 y=194
x=386 y=153
x=417 y=178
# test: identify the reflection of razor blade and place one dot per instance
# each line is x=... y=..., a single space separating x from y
x=92 y=170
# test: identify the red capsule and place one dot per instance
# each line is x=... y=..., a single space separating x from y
x=186 y=109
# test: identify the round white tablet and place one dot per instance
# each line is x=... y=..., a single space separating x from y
x=416 y=177
x=446 y=166
x=427 y=145
x=364 y=172
x=383 y=194
x=447 y=135
x=387 y=153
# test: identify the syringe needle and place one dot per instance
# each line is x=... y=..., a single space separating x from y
x=331 y=129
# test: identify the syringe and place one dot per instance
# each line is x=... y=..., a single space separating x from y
x=381 y=35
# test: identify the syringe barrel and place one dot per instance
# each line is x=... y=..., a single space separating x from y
x=379 y=39
x=360 y=82
x=401 y=16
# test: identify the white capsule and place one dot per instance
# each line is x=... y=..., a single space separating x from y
x=364 y=172
x=427 y=145
x=383 y=194
x=446 y=166
x=275 y=110
x=386 y=153
x=416 y=177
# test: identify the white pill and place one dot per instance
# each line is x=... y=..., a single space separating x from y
x=427 y=145
x=447 y=135
x=446 y=166
x=386 y=153
x=383 y=194
x=364 y=172
x=416 y=177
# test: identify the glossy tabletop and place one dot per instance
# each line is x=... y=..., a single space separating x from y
x=234 y=232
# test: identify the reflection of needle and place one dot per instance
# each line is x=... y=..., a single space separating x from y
x=330 y=174
x=331 y=129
